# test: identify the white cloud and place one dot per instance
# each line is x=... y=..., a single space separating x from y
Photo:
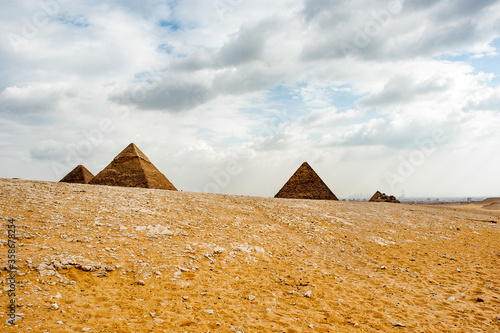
x=34 y=98
x=343 y=85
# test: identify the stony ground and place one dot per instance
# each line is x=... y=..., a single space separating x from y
x=106 y=259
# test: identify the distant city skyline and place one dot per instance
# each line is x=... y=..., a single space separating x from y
x=231 y=96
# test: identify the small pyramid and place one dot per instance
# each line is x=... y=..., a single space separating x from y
x=382 y=197
x=305 y=184
x=79 y=175
x=131 y=168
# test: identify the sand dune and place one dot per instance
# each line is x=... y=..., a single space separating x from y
x=490 y=200
x=491 y=204
x=109 y=259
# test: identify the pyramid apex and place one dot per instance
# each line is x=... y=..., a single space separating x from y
x=136 y=149
x=132 y=151
x=132 y=146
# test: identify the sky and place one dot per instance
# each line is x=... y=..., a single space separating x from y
x=232 y=96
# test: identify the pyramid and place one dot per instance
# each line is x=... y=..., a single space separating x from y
x=382 y=197
x=305 y=184
x=79 y=175
x=131 y=168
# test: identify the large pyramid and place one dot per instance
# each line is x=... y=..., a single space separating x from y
x=131 y=168
x=305 y=184
x=79 y=175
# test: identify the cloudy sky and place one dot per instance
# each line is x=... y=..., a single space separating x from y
x=231 y=96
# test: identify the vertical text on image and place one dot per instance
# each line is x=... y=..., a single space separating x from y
x=12 y=268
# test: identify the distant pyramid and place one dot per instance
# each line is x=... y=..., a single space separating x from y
x=79 y=175
x=305 y=184
x=382 y=197
x=131 y=168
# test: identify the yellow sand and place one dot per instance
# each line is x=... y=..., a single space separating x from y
x=191 y=262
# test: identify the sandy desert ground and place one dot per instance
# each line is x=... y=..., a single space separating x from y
x=106 y=259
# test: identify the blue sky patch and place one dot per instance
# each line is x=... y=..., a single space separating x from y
x=174 y=26
x=74 y=20
x=166 y=48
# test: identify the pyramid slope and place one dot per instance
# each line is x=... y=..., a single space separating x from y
x=132 y=168
x=305 y=184
x=79 y=175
